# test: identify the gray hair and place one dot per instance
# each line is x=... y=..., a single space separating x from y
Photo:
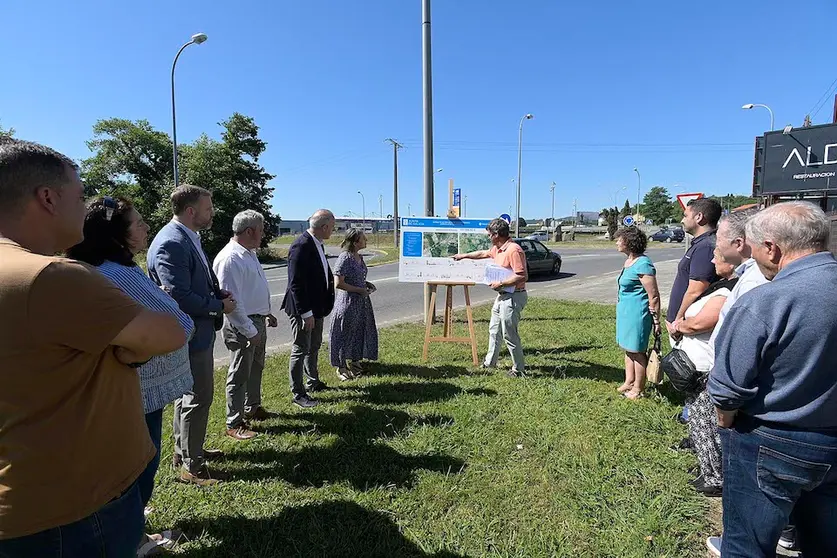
x=320 y=218
x=27 y=166
x=736 y=222
x=797 y=227
x=245 y=220
x=499 y=227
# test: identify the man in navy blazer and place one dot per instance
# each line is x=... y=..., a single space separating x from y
x=177 y=262
x=308 y=300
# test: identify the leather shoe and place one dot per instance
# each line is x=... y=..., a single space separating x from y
x=241 y=433
x=176 y=461
x=700 y=485
x=202 y=477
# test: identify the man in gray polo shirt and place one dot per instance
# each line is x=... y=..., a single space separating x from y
x=775 y=390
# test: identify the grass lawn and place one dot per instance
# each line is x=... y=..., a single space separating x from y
x=442 y=460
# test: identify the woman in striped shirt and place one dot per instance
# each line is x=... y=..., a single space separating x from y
x=114 y=232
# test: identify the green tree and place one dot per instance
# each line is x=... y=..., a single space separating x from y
x=521 y=223
x=626 y=209
x=656 y=205
x=6 y=133
x=133 y=160
x=611 y=216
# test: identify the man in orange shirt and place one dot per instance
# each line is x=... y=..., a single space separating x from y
x=73 y=438
x=505 y=315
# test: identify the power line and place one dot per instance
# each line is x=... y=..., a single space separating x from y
x=818 y=106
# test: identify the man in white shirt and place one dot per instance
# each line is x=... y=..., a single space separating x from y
x=240 y=273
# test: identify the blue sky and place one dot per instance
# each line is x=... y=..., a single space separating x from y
x=613 y=85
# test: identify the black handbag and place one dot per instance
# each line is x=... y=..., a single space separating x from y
x=681 y=371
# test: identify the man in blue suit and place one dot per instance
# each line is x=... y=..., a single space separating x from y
x=177 y=262
x=308 y=300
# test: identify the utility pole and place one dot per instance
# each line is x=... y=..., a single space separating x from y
x=465 y=206
x=395 y=147
x=427 y=96
x=575 y=216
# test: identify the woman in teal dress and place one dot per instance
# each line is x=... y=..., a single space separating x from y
x=637 y=309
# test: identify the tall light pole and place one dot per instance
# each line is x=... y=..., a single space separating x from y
x=616 y=193
x=638 y=188
x=552 y=215
x=427 y=118
x=750 y=106
x=409 y=209
x=465 y=206
x=197 y=39
x=435 y=172
x=363 y=198
x=519 y=165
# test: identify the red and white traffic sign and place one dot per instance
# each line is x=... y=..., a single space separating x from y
x=684 y=199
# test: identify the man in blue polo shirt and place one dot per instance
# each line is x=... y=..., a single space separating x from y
x=696 y=270
x=775 y=390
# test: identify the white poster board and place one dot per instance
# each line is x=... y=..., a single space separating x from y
x=428 y=244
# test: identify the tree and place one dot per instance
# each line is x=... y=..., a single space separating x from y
x=626 y=209
x=657 y=205
x=133 y=160
x=521 y=223
x=611 y=216
x=6 y=133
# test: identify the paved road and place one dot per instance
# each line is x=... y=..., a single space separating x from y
x=402 y=302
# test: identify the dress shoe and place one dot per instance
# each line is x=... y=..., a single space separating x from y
x=202 y=477
x=241 y=433
x=700 y=485
x=319 y=386
x=260 y=413
x=213 y=454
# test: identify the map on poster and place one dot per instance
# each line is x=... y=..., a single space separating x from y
x=428 y=244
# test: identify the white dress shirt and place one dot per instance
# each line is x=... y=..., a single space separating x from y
x=326 y=271
x=239 y=272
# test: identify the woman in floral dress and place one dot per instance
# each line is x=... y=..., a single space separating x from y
x=354 y=334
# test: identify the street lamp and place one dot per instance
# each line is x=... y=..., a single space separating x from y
x=465 y=206
x=552 y=218
x=519 y=164
x=616 y=193
x=363 y=198
x=197 y=39
x=750 y=106
x=638 y=187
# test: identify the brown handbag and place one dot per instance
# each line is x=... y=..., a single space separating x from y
x=654 y=371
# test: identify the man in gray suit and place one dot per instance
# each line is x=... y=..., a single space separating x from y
x=176 y=262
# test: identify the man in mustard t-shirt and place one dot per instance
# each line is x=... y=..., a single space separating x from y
x=505 y=314
x=73 y=438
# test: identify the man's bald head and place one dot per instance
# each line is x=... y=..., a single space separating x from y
x=321 y=224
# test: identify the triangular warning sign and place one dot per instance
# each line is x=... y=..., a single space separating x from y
x=684 y=199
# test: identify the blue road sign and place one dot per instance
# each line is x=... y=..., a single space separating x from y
x=506 y=217
x=628 y=220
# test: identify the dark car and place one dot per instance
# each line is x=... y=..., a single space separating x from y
x=669 y=235
x=539 y=258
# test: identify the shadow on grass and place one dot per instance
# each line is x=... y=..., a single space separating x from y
x=577 y=370
x=564 y=350
x=359 y=423
x=406 y=393
x=414 y=370
x=325 y=530
x=525 y=318
x=363 y=465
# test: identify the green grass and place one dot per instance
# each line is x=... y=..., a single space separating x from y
x=443 y=460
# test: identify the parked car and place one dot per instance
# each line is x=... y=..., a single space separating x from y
x=539 y=258
x=543 y=236
x=669 y=235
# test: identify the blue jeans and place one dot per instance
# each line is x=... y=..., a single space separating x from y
x=154 y=420
x=114 y=531
x=769 y=472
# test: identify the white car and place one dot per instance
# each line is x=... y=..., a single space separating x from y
x=543 y=236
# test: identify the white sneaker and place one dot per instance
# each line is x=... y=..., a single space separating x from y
x=344 y=375
x=714 y=546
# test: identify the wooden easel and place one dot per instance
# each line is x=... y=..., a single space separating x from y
x=447 y=336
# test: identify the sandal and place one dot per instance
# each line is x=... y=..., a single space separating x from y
x=633 y=395
x=625 y=387
x=344 y=374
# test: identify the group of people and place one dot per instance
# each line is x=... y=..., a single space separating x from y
x=752 y=321
x=94 y=348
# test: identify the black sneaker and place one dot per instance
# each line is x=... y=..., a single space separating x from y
x=319 y=386
x=700 y=485
x=788 y=538
x=305 y=402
